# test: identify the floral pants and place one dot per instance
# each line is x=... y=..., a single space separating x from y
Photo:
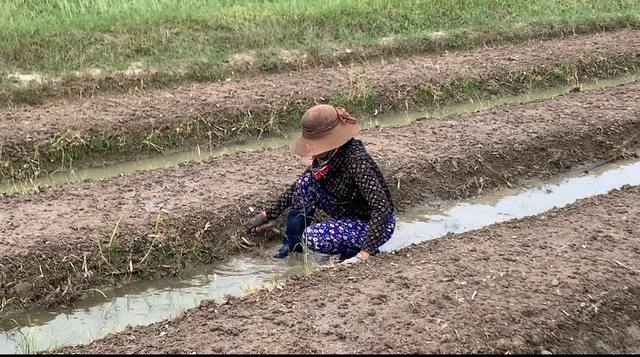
x=330 y=237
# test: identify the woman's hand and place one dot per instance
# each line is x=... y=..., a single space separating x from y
x=361 y=256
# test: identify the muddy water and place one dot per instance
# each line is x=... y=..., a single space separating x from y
x=140 y=303
x=423 y=223
x=150 y=301
x=102 y=170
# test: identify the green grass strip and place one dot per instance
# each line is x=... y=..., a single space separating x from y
x=55 y=37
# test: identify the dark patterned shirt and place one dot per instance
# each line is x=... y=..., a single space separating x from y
x=356 y=188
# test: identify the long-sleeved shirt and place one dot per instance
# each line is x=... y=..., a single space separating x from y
x=355 y=187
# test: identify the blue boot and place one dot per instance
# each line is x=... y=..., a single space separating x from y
x=348 y=252
x=296 y=224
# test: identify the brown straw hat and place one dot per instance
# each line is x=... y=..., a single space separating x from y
x=324 y=128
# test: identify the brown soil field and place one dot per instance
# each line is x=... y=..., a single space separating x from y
x=55 y=242
x=565 y=281
x=31 y=137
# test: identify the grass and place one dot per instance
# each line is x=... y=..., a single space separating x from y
x=148 y=254
x=4 y=303
x=209 y=39
x=27 y=343
x=309 y=264
x=113 y=330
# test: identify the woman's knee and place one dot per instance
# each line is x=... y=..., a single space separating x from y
x=309 y=237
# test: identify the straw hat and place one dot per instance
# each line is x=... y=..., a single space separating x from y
x=324 y=128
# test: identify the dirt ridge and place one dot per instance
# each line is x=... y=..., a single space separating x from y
x=34 y=137
x=523 y=286
x=166 y=210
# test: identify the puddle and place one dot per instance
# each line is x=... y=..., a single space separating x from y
x=150 y=301
x=200 y=153
x=424 y=223
x=140 y=303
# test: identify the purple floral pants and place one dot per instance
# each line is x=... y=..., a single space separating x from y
x=330 y=237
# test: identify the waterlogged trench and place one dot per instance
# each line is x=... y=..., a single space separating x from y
x=140 y=303
x=98 y=171
x=150 y=301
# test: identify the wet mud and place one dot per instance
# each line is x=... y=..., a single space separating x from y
x=27 y=130
x=53 y=241
x=524 y=286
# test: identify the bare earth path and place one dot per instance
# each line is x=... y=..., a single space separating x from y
x=25 y=129
x=456 y=157
x=565 y=281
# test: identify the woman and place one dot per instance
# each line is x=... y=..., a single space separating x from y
x=344 y=182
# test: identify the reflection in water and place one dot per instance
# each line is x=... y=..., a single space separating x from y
x=140 y=303
x=173 y=159
x=421 y=223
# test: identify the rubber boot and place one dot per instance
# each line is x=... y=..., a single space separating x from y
x=296 y=223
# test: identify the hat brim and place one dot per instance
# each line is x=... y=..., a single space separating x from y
x=335 y=138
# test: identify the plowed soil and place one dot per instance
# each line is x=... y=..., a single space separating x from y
x=565 y=281
x=26 y=129
x=451 y=158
